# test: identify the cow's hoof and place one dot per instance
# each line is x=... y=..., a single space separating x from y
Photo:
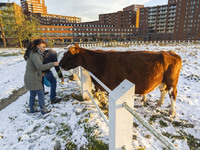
x=159 y=104
x=103 y=103
x=96 y=95
x=172 y=114
x=143 y=103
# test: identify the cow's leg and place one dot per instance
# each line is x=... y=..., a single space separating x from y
x=172 y=93
x=96 y=93
x=102 y=99
x=163 y=93
x=144 y=98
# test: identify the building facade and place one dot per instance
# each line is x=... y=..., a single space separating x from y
x=129 y=17
x=34 y=6
x=68 y=28
x=38 y=9
x=63 y=28
x=178 y=20
x=88 y=32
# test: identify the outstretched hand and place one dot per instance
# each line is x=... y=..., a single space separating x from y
x=56 y=63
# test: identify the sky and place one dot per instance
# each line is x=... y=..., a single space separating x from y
x=89 y=10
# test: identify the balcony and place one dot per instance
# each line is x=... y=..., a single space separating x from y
x=171 y=23
x=170 y=28
x=161 y=20
x=172 y=11
x=161 y=28
x=160 y=31
x=170 y=31
x=162 y=16
x=161 y=24
x=163 y=8
x=162 y=12
x=172 y=15
x=151 y=24
x=152 y=17
x=153 y=10
x=172 y=20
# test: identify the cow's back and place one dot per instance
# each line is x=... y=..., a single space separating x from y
x=144 y=69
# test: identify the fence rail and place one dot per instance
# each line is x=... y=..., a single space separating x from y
x=102 y=114
x=166 y=142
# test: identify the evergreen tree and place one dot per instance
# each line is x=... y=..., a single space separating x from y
x=17 y=26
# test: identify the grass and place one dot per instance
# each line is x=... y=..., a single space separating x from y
x=8 y=54
x=182 y=124
x=91 y=132
x=153 y=118
x=163 y=123
x=78 y=97
x=70 y=146
x=193 y=142
x=94 y=143
x=162 y=118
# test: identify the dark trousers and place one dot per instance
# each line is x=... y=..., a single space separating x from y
x=40 y=94
x=50 y=77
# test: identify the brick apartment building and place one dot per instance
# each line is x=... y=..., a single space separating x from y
x=72 y=29
x=129 y=17
x=178 y=20
x=113 y=26
x=37 y=8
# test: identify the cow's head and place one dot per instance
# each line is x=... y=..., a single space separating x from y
x=70 y=59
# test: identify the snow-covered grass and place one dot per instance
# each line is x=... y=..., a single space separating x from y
x=76 y=124
x=12 y=67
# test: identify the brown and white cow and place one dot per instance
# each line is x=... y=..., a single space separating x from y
x=147 y=70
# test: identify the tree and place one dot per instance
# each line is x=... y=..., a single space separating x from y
x=17 y=26
x=50 y=43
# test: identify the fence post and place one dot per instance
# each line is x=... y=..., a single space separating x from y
x=86 y=84
x=76 y=74
x=120 y=120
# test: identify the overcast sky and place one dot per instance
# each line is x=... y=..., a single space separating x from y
x=89 y=10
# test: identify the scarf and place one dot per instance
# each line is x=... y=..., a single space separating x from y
x=41 y=53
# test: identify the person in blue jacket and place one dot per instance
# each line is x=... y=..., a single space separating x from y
x=51 y=56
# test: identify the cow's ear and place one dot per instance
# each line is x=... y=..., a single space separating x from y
x=74 y=50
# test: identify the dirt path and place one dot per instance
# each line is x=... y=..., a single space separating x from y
x=7 y=101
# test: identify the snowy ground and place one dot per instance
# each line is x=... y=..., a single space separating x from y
x=76 y=124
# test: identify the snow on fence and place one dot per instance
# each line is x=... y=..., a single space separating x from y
x=100 y=44
x=120 y=120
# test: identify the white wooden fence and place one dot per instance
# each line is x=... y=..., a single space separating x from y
x=120 y=121
x=121 y=112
